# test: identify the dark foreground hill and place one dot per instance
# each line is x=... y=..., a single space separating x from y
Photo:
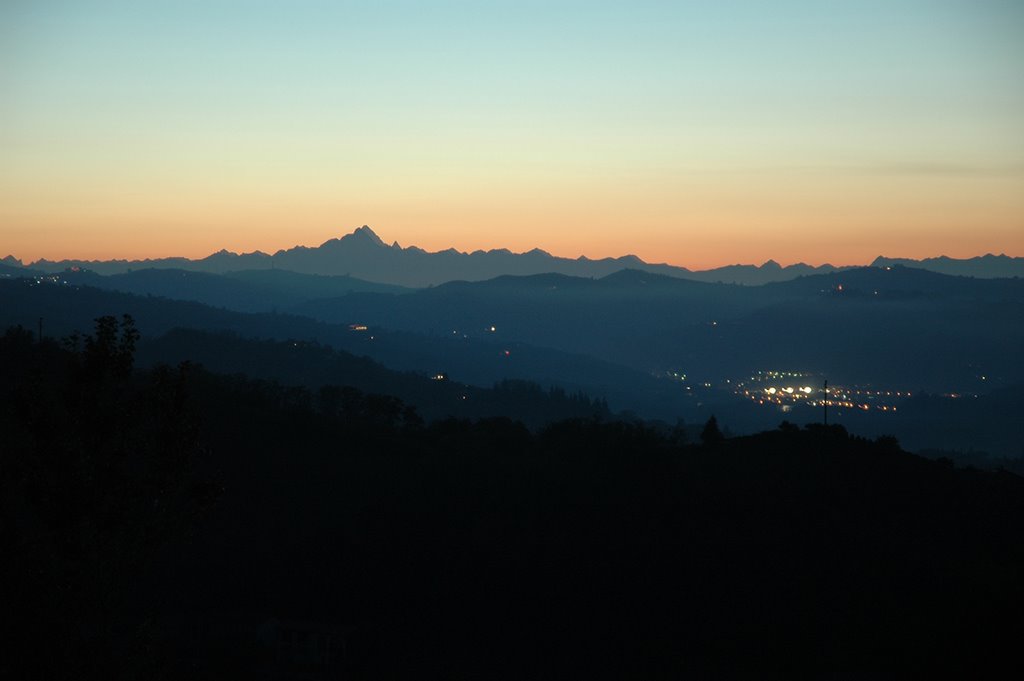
x=173 y=524
x=317 y=367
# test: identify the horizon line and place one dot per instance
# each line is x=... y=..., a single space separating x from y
x=383 y=244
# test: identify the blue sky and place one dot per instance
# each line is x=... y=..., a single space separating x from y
x=719 y=131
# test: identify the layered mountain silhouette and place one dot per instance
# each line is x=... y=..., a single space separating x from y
x=617 y=337
x=480 y=361
x=362 y=254
x=985 y=266
x=12 y=267
x=903 y=326
x=245 y=290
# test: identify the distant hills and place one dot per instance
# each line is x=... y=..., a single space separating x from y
x=245 y=290
x=11 y=267
x=479 y=360
x=617 y=337
x=899 y=326
x=363 y=255
x=890 y=326
x=984 y=267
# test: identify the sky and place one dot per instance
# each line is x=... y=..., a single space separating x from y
x=694 y=133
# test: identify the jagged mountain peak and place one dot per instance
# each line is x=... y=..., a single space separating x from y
x=367 y=234
x=359 y=236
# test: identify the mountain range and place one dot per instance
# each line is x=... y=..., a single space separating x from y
x=986 y=266
x=363 y=255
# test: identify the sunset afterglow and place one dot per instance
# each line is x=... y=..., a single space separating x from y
x=697 y=134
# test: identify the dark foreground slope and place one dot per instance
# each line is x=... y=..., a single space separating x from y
x=177 y=524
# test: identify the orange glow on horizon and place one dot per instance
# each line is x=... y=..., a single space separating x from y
x=695 y=252
x=698 y=221
x=832 y=134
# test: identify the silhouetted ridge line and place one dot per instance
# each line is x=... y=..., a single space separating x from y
x=363 y=254
x=987 y=266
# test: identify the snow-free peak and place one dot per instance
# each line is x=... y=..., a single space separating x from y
x=365 y=232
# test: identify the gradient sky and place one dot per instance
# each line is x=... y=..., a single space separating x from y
x=695 y=133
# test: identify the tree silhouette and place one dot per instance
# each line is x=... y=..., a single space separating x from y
x=100 y=464
x=711 y=435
